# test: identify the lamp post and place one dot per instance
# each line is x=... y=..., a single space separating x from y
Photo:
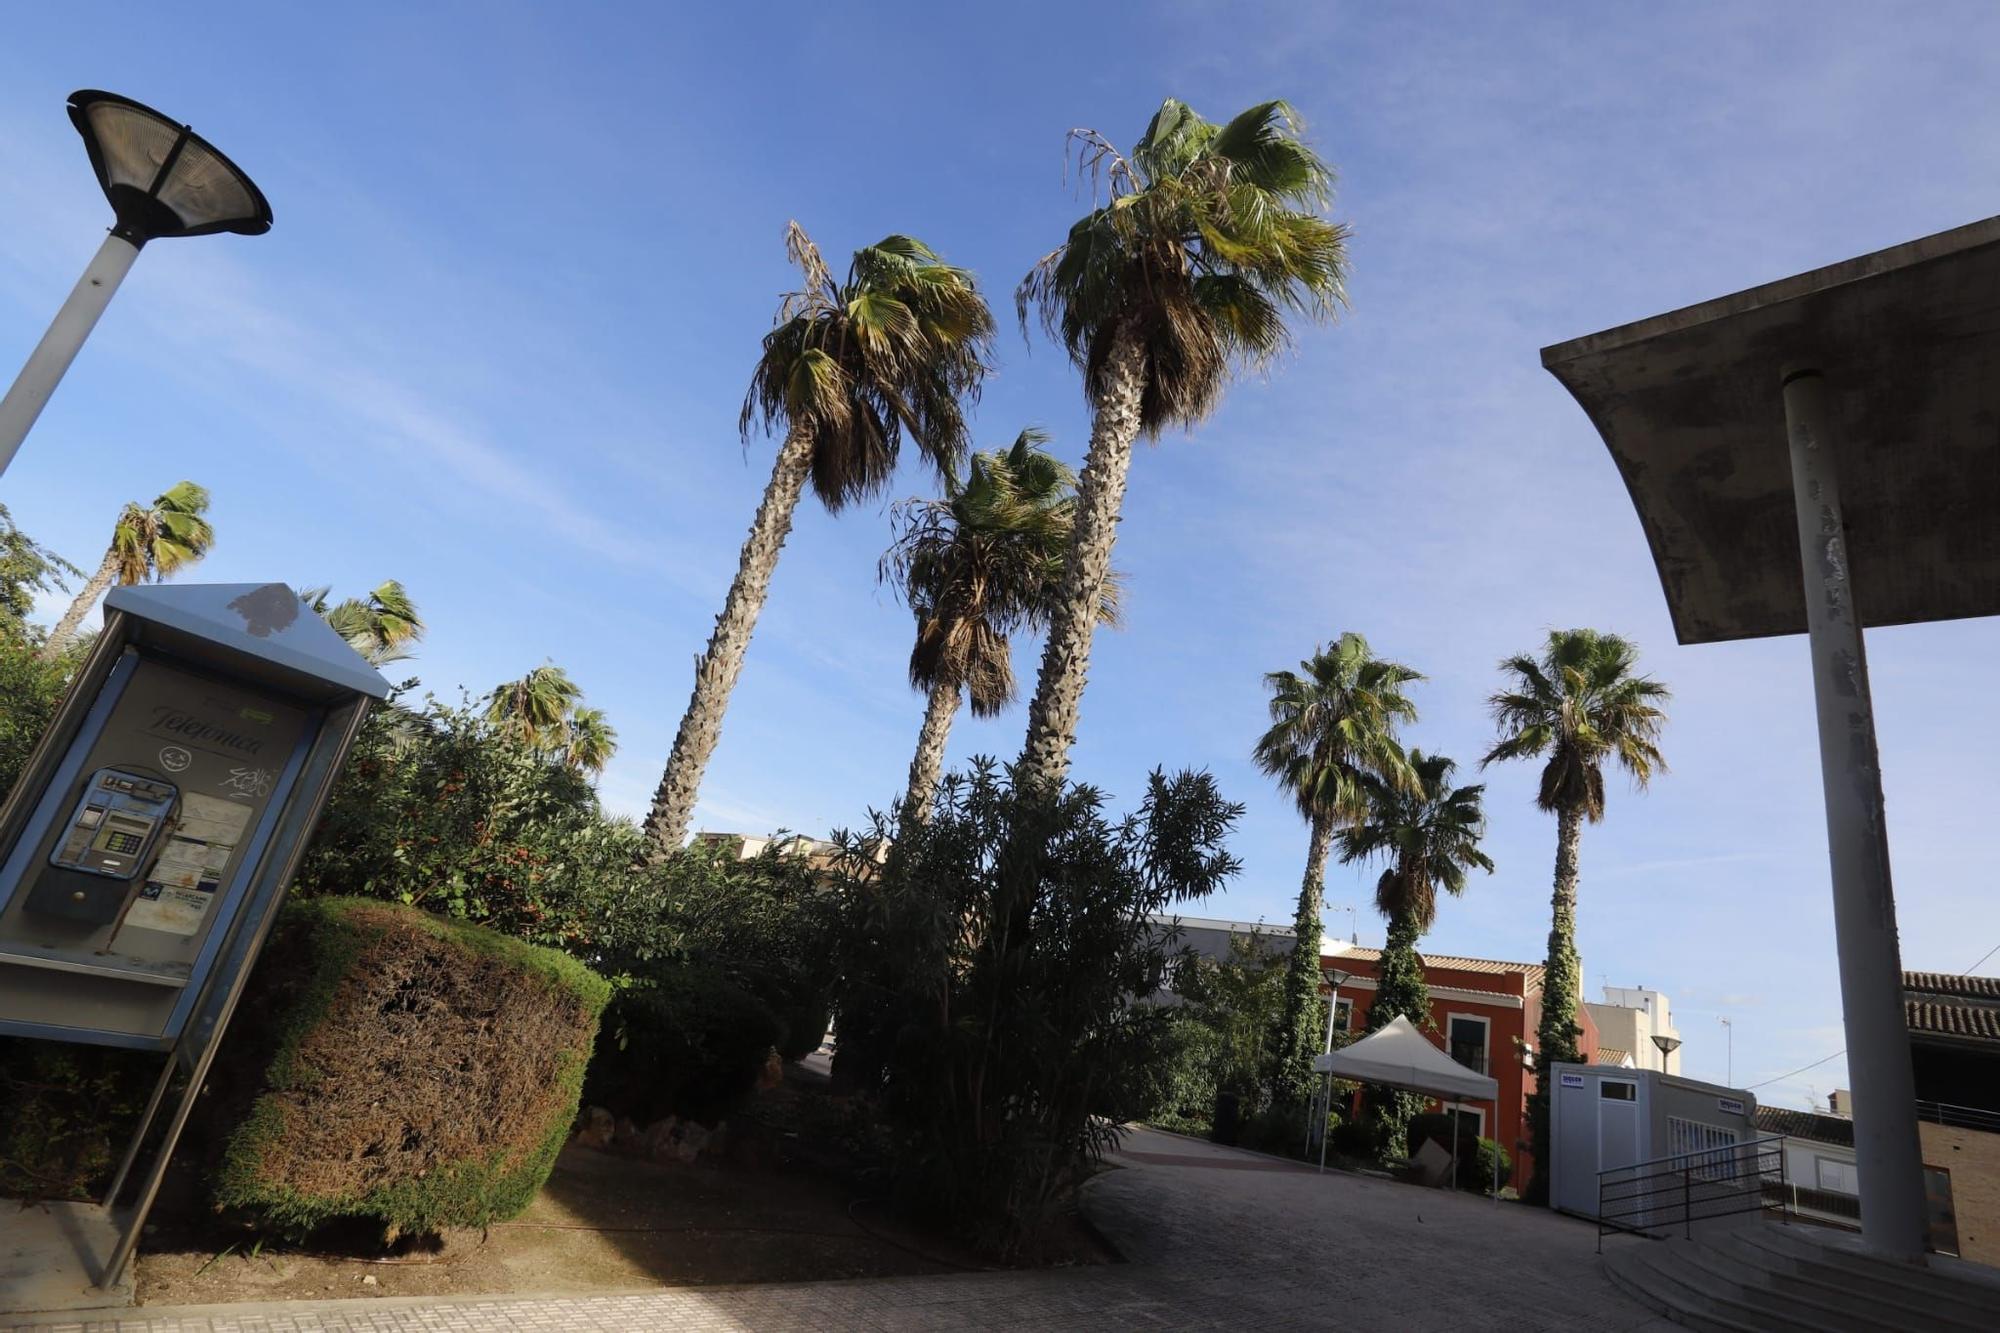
x=161 y=179
x=1667 y=1045
x=1729 y=1030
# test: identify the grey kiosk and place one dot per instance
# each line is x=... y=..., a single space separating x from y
x=144 y=854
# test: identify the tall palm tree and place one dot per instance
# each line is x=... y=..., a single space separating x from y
x=1428 y=831
x=977 y=565
x=382 y=627
x=1333 y=724
x=537 y=707
x=1210 y=237
x=148 y=542
x=1580 y=703
x=849 y=367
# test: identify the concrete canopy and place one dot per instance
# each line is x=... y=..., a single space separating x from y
x=1689 y=404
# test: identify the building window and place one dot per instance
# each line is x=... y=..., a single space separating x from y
x=1470 y=1118
x=1467 y=1035
x=1709 y=1148
x=1618 y=1092
x=1836 y=1176
x=1343 y=1015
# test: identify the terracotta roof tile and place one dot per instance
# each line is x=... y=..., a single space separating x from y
x=1610 y=1055
x=1945 y=983
x=1805 y=1125
x=1969 y=1021
x=1450 y=961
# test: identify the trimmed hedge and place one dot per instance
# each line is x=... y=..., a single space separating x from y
x=401 y=1068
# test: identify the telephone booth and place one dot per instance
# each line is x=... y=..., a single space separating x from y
x=143 y=855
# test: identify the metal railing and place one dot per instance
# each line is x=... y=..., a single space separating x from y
x=1649 y=1198
x=1964 y=1117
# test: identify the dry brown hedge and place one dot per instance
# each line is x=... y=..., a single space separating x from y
x=419 y=1072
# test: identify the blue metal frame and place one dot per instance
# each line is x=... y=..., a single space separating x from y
x=56 y=794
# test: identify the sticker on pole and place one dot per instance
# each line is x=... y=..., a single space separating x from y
x=1729 y=1105
x=1572 y=1080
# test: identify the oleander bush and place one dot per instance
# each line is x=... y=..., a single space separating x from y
x=393 y=1066
x=686 y=1041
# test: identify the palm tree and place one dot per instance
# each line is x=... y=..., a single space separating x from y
x=382 y=627
x=148 y=543
x=1428 y=831
x=1333 y=724
x=848 y=368
x=1581 y=703
x=1210 y=237
x=536 y=708
x=590 y=741
x=977 y=565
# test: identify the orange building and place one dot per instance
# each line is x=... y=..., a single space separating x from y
x=1486 y=1014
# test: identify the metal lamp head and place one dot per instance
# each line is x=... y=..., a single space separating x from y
x=162 y=178
x=1667 y=1045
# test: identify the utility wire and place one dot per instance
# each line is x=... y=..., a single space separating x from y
x=1982 y=958
x=1800 y=1070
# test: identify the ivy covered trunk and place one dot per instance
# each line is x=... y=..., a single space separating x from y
x=1299 y=1032
x=716 y=670
x=1400 y=992
x=1100 y=495
x=1555 y=1038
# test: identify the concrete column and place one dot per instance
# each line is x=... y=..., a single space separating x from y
x=1888 y=1156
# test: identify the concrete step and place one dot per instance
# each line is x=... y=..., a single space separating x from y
x=1661 y=1280
x=1935 y=1295
x=1788 y=1294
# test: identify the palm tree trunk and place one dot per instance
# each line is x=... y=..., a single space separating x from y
x=928 y=763
x=65 y=631
x=1298 y=1043
x=716 y=670
x=1555 y=1035
x=1100 y=495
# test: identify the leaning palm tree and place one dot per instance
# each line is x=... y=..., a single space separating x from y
x=1580 y=703
x=536 y=708
x=1210 y=237
x=977 y=565
x=1333 y=724
x=850 y=366
x=382 y=627
x=148 y=542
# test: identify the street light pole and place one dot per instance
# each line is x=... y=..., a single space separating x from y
x=1729 y=1032
x=58 y=347
x=161 y=179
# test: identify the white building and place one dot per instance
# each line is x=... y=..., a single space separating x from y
x=1629 y=1019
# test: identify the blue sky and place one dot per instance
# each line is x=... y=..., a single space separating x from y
x=496 y=343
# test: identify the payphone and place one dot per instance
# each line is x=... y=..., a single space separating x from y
x=147 y=846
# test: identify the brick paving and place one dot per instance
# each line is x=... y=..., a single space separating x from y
x=1217 y=1239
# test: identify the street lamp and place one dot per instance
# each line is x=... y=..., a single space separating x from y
x=1667 y=1045
x=162 y=179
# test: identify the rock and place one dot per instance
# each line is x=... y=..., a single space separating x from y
x=773 y=1073
x=369 y=1281
x=597 y=1130
x=693 y=1139
x=628 y=1136
x=661 y=1140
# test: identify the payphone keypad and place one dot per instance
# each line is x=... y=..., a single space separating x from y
x=112 y=833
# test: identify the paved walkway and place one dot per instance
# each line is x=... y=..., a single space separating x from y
x=1218 y=1239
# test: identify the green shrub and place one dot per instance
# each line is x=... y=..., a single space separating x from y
x=989 y=965
x=686 y=1041
x=66 y=1112
x=1494 y=1164
x=30 y=691
x=1171 y=1083
x=397 y=1067
x=1354 y=1140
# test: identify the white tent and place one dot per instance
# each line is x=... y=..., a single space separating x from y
x=1403 y=1058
